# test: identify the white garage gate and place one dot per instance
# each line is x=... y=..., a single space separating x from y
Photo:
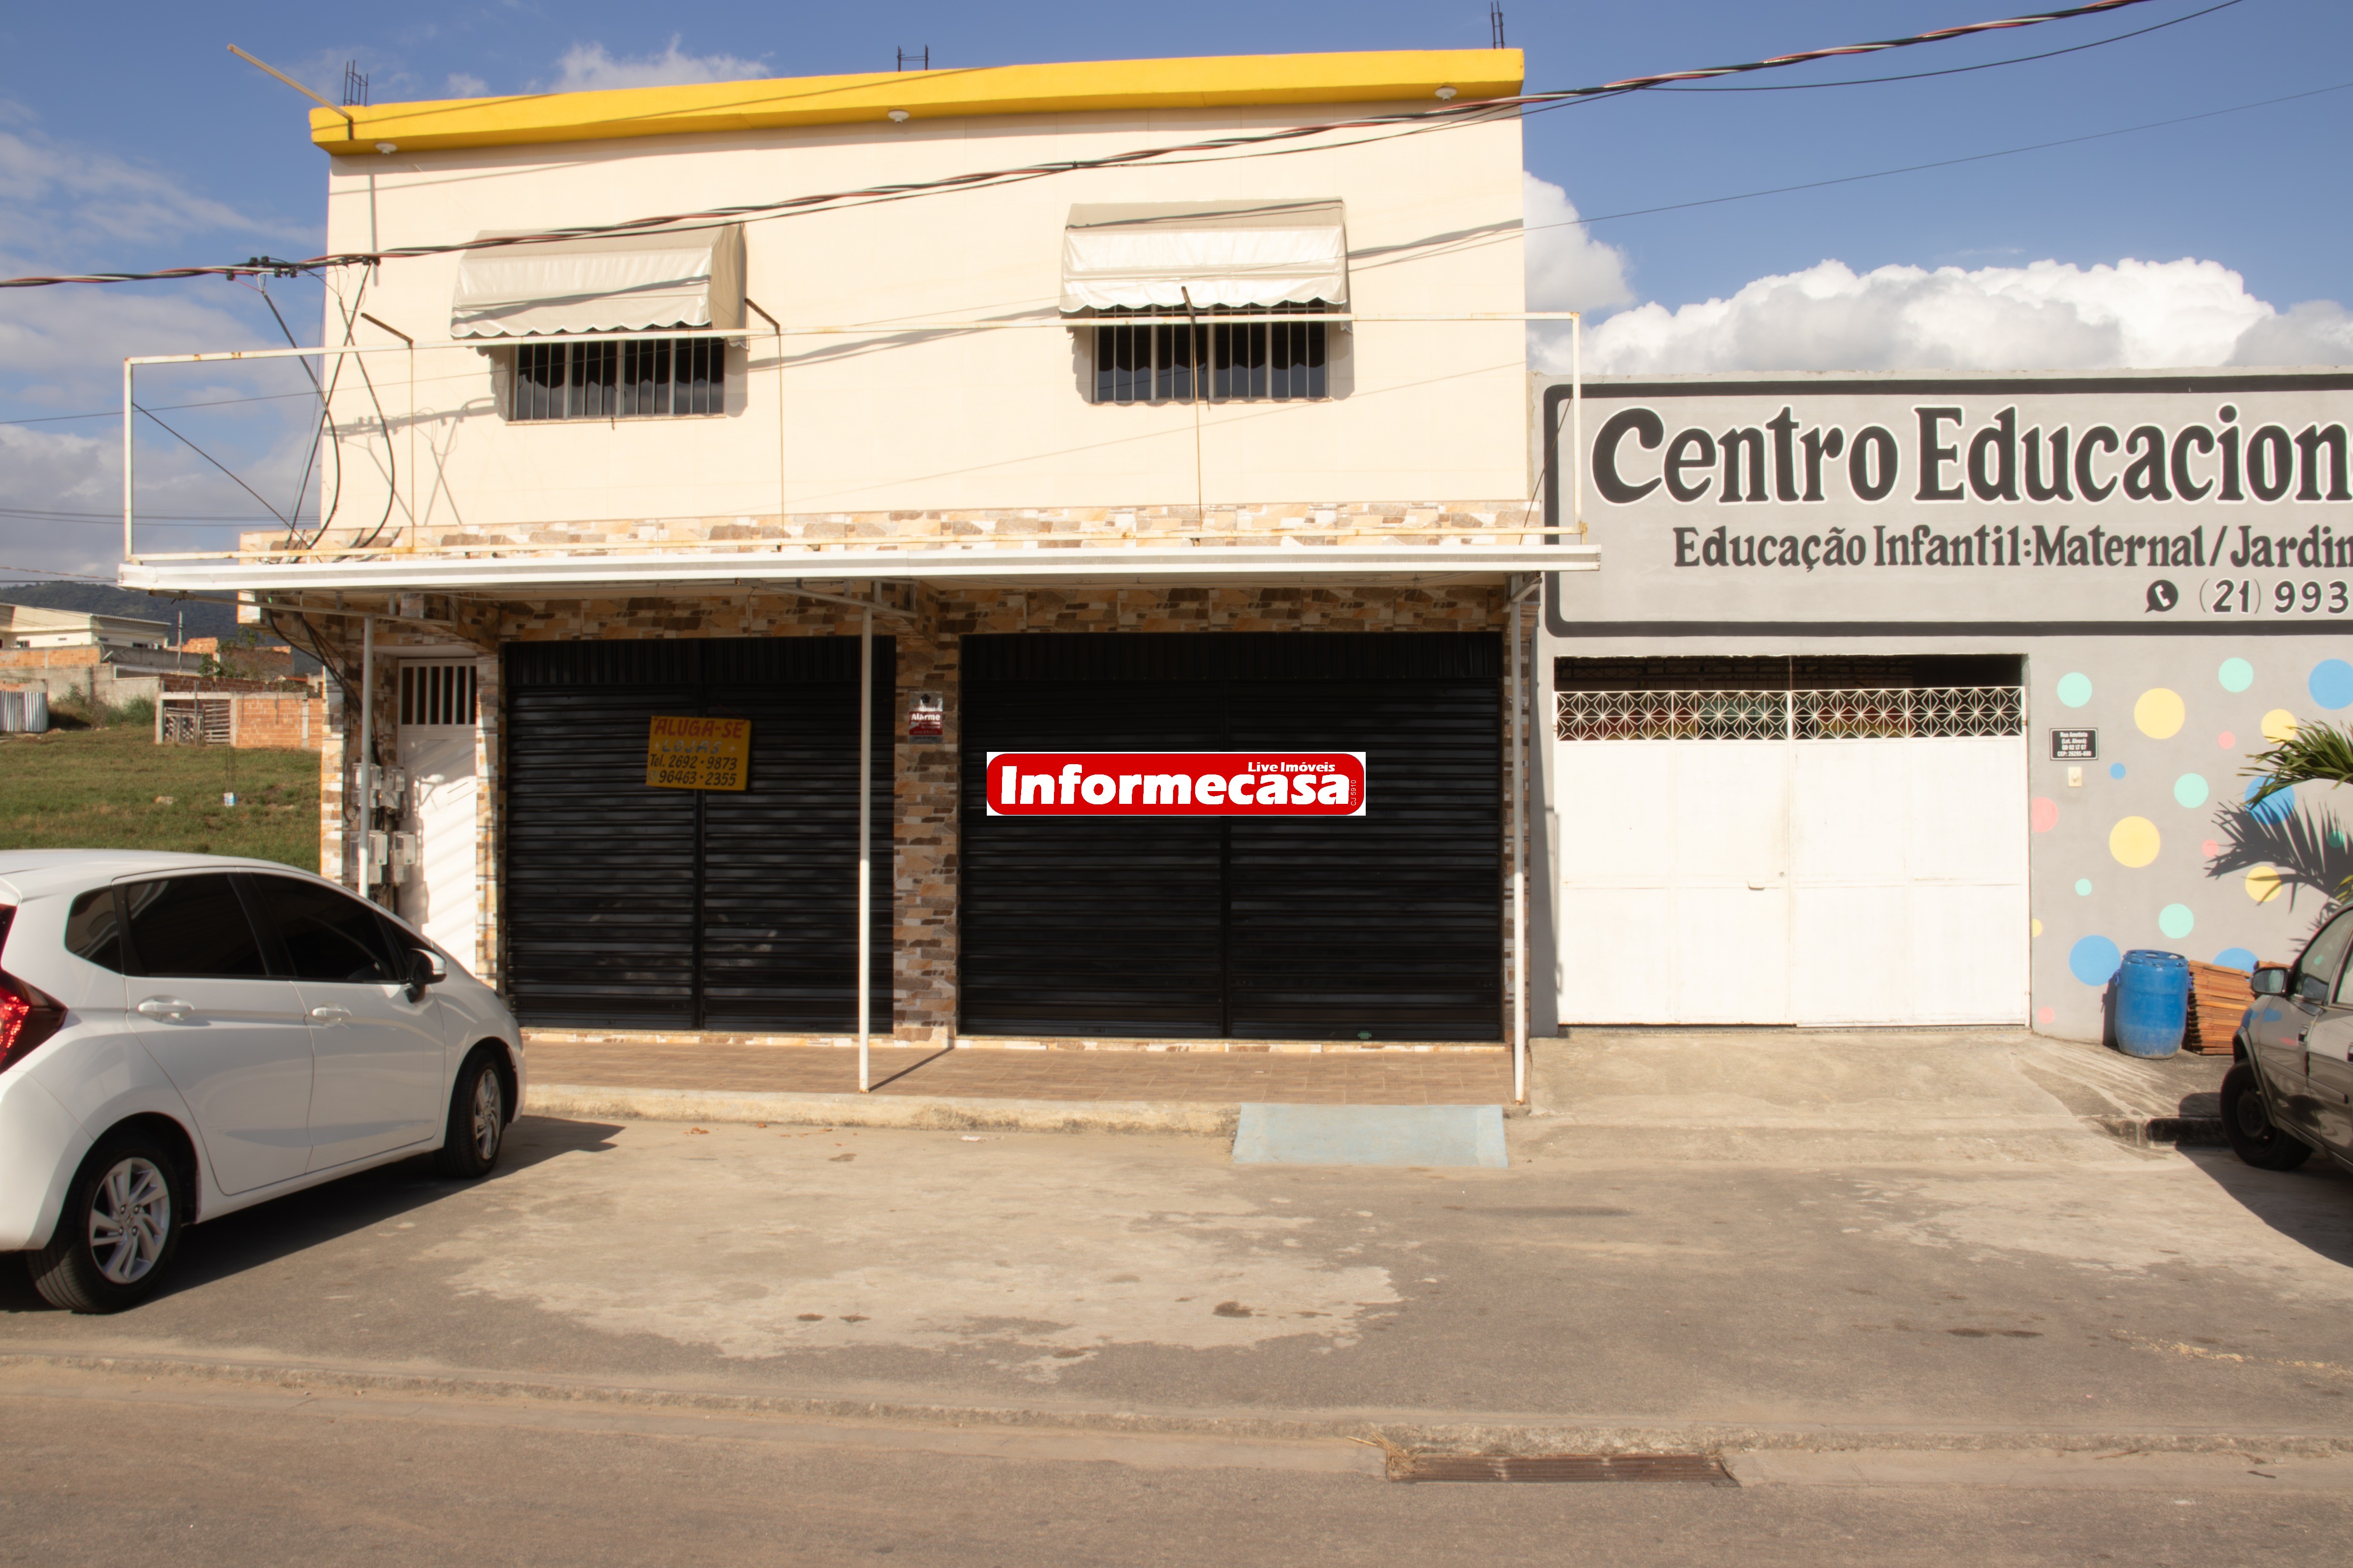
x=1843 y=846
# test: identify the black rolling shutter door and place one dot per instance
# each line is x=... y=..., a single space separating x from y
x=600 y=917
x=632 y=907
x=1387 y=925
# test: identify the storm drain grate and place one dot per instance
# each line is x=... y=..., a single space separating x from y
x=1704 y=1469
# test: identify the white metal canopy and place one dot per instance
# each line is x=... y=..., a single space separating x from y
x=1164 y=255
x=605 y=283
x=525 y=575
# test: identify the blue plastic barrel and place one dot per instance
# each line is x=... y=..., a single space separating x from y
x=2152 y=1002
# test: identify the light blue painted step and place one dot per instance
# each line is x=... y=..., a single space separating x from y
x=1371 y=1135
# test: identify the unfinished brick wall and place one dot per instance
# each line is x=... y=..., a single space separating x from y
x=293 y=722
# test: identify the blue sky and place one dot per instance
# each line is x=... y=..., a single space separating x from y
x=146 y=143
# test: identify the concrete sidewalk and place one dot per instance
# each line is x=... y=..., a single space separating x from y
x=1112 y=1090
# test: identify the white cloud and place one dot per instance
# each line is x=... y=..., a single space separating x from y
x=464 y=84
x=2318 y=332
x=587 y=68
x=2045 y=315
x=1568 y=268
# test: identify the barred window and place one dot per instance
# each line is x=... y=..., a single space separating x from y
x=638 y=379
x=1243 y=354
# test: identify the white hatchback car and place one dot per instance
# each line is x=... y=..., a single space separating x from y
x=185 y=1036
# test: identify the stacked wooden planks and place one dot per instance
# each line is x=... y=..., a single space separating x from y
x=2218 y=996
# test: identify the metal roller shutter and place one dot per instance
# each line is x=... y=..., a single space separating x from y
x=633 y=907
x=1386 y=926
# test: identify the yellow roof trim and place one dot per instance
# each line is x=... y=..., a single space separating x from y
x=1216 y=82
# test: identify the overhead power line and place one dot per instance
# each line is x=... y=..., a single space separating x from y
x=1404 y=123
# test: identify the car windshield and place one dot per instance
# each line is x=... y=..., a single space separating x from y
x=2325 y=952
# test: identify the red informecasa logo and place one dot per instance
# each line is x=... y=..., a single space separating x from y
x=1175 y=783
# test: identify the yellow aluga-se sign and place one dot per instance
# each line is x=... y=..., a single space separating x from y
x=698 y=753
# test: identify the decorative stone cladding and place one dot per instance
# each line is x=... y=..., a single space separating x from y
x=1308 y=523
x=924 y=828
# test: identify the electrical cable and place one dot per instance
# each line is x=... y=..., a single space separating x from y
x=1939 y=164
x=1961 y=71
x=1410 y=120
x=216 y=463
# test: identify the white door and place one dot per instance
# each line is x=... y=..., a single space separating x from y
x=1849 y=870
x=233 y=1040
x=437 y=749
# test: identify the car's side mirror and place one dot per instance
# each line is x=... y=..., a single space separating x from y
x=2269 y=983
x=424 y=969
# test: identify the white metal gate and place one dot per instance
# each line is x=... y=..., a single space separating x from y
x=437 y=750
x=1847 y=857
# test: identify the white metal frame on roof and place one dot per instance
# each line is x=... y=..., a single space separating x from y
x=869 y=328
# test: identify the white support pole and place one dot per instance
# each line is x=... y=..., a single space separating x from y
x=1576 y=417
x=365 y=774
x=128 y=550
x=865 y=837
x=1519 y=874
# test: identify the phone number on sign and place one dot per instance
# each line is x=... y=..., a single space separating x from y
x=2253 y=596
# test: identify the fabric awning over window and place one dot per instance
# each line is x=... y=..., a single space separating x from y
x=1140 y=255
x=610 y=283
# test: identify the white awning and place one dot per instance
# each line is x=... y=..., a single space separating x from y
x=608 y=283
x=1144 y=256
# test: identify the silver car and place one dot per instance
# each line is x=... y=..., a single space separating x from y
x=2291 y=1091
x=185 y=1036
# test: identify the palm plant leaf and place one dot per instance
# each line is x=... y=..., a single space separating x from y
x=2316 y=753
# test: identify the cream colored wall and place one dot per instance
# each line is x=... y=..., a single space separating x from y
x=920 y=421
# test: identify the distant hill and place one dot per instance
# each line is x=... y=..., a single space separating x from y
x=204 y=617
x=191 y=617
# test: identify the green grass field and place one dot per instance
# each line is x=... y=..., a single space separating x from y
x=98 y=789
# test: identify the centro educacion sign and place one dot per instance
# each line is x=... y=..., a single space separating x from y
x=1175 y=783
x=2153 y=497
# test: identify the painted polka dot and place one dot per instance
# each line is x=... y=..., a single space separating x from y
x=2209 y=848
x=2045 y=1015
x=2190 y=790
x=2279 y=725
x=2332 y=684
x=2235 y=674
x=2083 y=887
x=2043 y=815
x=2092 y=960
x=2074 y=689
x=2236 y=958
x=2264 y=884
x=2035 y=928
x=2134 y=841
x=2176 y=920
x=2116 y=770
x=2159 y=713
x=2276 y=808
x=2226 y=740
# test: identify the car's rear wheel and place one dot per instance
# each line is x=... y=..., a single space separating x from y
x=2247 y=1123
x=478 y=1118
x=120 y=1228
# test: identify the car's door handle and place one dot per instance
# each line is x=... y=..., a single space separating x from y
x=166 y=1007
x=331 y=1014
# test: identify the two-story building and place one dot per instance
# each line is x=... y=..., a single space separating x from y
x=1155 y=421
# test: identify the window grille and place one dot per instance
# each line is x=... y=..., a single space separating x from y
x=1237 y=354
x=1853 y=714
x=436 y=694
x=643 y=378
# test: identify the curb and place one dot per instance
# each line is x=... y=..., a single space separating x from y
x=2148 y=1132
x=1205 y=1119
x=1422 y=1432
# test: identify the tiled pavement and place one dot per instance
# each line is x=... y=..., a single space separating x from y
x=1353 y=1078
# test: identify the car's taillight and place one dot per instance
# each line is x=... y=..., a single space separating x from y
x=28 y=1017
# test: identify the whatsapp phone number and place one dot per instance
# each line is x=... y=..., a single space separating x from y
x=2270 y=597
